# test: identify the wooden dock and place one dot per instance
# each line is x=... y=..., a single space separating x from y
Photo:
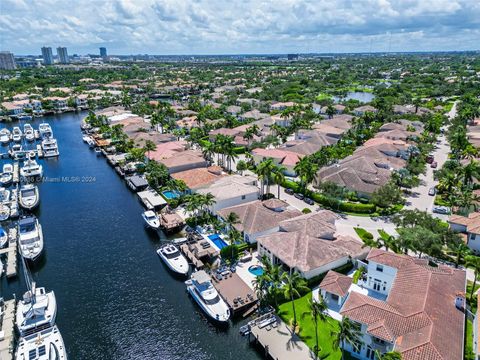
x=236 y=293
x=11 y=252
x=8 y=331
x=16 y=173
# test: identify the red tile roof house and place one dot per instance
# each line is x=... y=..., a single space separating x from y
x=167 y=150
x=288 y=159
x=359 y=111
x=422 y=316
x=186 y=160
x=469 y=225
x=309 y=245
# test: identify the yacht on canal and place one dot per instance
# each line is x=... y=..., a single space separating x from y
x=43 y=345
x=50 y=147
x=31 y=169
x=204 y=293
x=16 y=134
x=174 y=259
x=5 y=136
x=36 y=311
x=29 y=132
x=45 y=130
x=3 y=237
x=29 y=196
x=7 y=175
x=30 y=238
x=151 y=219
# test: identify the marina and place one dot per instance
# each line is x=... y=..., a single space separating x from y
x=166 y=323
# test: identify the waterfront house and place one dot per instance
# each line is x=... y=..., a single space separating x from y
x=258 y=218
x=253 y=115
x=167 y=150
x=279 y=106
x=59 y=103
x=361 y=110
x=233 y=110
x=12 y=108
x=334 y=289
x=230 y=191
x=408 y=306
x=470 y=226
x=309 y=245
x=199 y=177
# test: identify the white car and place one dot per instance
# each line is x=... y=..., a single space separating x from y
x=441 y=210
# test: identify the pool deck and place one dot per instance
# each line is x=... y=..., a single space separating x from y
x=233 y=287
x=242 y=270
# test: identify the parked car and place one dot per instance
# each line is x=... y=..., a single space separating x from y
x=309 y=201
x=432 y=191
x=441 y=210
x=429 y=159
x=434 y=165
x=289 y=191
x=299 y=196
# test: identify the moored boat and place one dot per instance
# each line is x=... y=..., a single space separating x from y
x=44 y=345
x=174 y=259
x=29 y=132
x=3 y=237
x=45 y=130
x=5 y=136
x=201 y=289
x=50 y=147
x=31 y=169
x=7 y=175
x=29 y=196
x=30 y=238
x=151 y=219
x=17 y=134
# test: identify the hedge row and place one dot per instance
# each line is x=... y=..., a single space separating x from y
x=329 y=202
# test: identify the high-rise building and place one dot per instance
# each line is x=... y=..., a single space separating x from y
x=47 y=55
x=7 y=61
x=62 y=55
x=103 y=52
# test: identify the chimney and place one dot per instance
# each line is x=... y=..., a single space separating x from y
x=460 y=301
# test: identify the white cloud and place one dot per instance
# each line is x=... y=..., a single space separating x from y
x=243 y=26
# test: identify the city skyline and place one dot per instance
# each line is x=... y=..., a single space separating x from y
x=209 y=28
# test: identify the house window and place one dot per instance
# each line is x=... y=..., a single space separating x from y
x=334 y=297
x=384 y=286
x=370 y=353
x=380 y=268
x=243 y=197
x=472 y=236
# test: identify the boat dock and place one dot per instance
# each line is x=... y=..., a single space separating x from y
x=277 y=339
x=39 y=151
x=16 y=173
x=238 y=295
x=11 y=252
x=191 y=257
x=151 y=199
x=7 y=333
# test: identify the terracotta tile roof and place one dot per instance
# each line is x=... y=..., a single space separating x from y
x=196 y=178
x=471 y=222
x=336 y=283
x=419 y=315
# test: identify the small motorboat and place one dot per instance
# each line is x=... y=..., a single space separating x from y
x=3 y=237
x=17 y=134
x=7 y=175
x=4 y=212
x=29 y=196
x=4 y=195
x=97 y=150
x=45 y=130
x=86 y=138
x=151 y=219
x=5 y=136
x=17 y=152
x=174 y=259
x=30 y=239
x=29 y=132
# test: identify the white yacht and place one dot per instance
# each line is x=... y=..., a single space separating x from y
x=17 y=134
x=45 y=130
x=36 y=311
x=3 y=237
x=174 y=259
x=44 y=345
x=29 y=196
x=50 y=147
x=86 y=138
x=31 y=169
x=30 y=238
x=151 y=219
x=29 y=132
x=204 y=293
x=7 y=175
x=4 y=212
x=5 y=136
x=4 y=195
x=17 y=152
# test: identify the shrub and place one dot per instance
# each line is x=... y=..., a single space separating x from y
x=306 y=211
x=363 y=234
x=230 y=253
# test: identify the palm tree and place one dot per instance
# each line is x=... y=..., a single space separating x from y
x=318 y=311
x=330 y=111
x=474 y=262
x=232 y=219
x=348 y=332
x=391 y=355
x=278 y=177
x=459 y=249
x=471 y=172
x=306 y=170
x=294 y=284
x=264 y=173
x=149 y=146
x=208 y=150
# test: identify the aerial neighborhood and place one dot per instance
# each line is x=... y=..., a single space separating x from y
x=327 y=202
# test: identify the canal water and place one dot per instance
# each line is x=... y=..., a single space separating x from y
x=116 y=300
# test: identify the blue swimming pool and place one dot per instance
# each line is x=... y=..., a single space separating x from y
x=218 y=241
x=170 y=194
x=256 y=270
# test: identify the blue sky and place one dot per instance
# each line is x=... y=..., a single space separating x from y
x=235 y=27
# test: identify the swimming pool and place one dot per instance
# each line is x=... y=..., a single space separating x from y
x=256 y=270
x=218 y=241
x=170 y=194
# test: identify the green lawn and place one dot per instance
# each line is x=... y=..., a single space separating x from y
x=469 y=355
x=364 y=234
x=472 y=301
x=307 y=327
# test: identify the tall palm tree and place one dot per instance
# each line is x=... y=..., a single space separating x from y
x=473 y=262
x=264 y=173
x=459 y=249
x=278 y=177
x=318 y=311
x=348 y=332
x=293 y=286
x=149 y=146
x=306 y=170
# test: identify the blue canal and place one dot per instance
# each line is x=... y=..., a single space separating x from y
x=116 y=300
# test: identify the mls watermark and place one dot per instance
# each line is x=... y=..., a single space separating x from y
x=68 y=179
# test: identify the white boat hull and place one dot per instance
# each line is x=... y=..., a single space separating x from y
x=50 y=338
x=223 y=318
x=178 y=265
